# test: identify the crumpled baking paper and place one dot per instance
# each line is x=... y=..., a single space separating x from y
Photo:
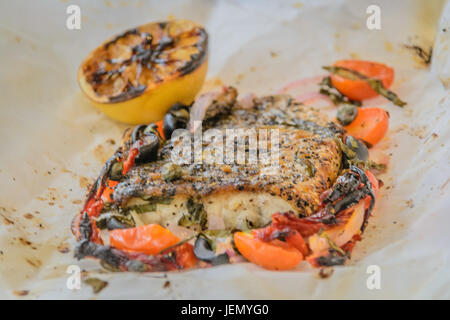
x=54 y=142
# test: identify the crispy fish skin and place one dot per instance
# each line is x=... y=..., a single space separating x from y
x=309 y=160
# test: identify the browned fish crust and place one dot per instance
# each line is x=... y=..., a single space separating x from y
x=309 y=160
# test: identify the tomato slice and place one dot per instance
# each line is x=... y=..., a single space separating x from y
x=370 y=125
x=297 y=241
x=108 y=191
x=149 y=239
x=273 y=255
x=184 y=255
x=359 y=89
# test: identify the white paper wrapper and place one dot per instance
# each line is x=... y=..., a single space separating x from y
x=54 y=142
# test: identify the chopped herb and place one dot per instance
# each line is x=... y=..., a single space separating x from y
x=375 y=84
x=351 y=159
x=368 y=165
x=361 y=150
x=143 y=208
x=218 y=233
x=349 y=153
x=326 y=88
x=333 y=245
x=306 y=163
x=196 y=214
x=159 y=200
x=105 y=219
x=150 y=205
x=171 y=171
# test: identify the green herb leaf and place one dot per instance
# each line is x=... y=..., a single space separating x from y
x=122 y=218
x=151 y=204
x=353 y=160
x=157 y=200
x=332 y=245
x=326 y=88
x=196 y=214
x=368 y=165
x=345 y=149
x=218 y=233
x=143 y=208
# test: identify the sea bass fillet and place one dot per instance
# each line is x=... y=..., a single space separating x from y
x=233 y=195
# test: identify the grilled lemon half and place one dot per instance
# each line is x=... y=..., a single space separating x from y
x=136 y=76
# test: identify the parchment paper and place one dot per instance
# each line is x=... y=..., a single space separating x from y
x=54 y=142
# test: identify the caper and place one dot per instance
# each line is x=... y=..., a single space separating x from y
x=171 y=171
x=116 y=171
x=360 y=149
x=346 y=114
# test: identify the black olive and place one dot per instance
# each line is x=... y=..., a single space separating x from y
x=362 y=153
x=148 y=151
x=203 y=251
x=176 y=118
x=136 y=134
x=346 y=114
